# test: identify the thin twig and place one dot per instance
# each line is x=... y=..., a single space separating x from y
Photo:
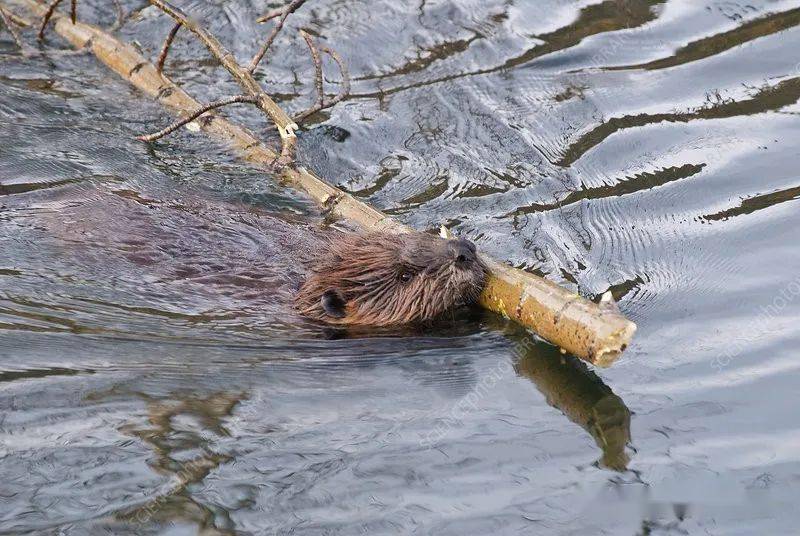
x=318 y=82
x=271 y=15
x=19 y=21
x=194 y=115
x=284 y=14
x=120 y=17
x=13 y=31
x=343 y=92
x=165 y=49
x=286 y=126
x=345 y=74
x=48 y=14
x=73 y=11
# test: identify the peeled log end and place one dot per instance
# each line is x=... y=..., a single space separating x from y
x=614 y=345
x=596 y=333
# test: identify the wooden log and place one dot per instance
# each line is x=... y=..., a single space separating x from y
x=578 y=326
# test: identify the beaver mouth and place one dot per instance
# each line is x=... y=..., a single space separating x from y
x=467 y=273
x=473 y=280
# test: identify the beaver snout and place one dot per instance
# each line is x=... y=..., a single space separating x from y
x=463 y=252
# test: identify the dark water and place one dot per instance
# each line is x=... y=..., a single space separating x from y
x=152 y=381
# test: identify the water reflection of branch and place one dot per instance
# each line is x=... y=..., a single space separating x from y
x=569 y=386
x=168 y=442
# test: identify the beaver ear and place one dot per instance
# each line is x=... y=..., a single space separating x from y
x=333 y=303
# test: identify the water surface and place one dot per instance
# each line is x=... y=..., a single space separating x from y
x=152 y=379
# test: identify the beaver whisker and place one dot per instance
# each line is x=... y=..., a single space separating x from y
x=376 y=291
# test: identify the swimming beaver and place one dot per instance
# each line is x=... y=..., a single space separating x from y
x=383 y=279
x=200 y=256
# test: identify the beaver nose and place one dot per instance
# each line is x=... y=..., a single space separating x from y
x=463 y=251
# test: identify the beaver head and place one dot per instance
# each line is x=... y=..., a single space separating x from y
x=384 y=279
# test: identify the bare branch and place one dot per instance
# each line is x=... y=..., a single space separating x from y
x=19 y=21
x=317 y=70
x=165 y=49
x=48 y=14
x=120 y=17
x=344 y=73
x=322 y=104
x=286 y=126
x=73 y=11
x=10 y=26
x=284 y=14
x=194 y=115
x=270 y=15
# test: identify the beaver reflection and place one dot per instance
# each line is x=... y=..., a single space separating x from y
x=383 y=279
x=177 y=425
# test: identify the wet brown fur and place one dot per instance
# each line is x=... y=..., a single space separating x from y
x=384 y=279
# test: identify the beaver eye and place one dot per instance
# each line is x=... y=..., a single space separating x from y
x=405 y=277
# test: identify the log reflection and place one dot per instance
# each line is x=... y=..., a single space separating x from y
x=572 y=388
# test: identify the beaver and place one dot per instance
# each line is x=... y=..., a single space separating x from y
x=384 y=279
x=221 y=258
